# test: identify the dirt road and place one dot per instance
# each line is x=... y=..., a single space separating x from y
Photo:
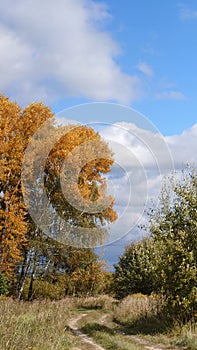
x=72 y=324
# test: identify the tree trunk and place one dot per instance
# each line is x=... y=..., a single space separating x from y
x=33 y=273
x=23 y=275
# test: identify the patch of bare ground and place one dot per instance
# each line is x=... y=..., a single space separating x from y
x=72 y=324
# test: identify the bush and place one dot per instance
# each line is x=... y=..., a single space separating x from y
x=43 y=289
x=136 y=270
x=137 y=306
x=4 y=285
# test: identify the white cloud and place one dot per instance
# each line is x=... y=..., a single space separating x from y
x=129 y=188
x=134 y=145
x=186 y=13
x=141 y=157
x=51 y=50
x=184 y=147
x=145 y=69
x=143 y=160
x=170 y=95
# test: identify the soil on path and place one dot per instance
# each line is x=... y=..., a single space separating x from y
x=72 y=324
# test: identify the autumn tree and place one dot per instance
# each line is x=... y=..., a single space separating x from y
x=23 y=236
x=86 y=273
x=16 y=129
x=12 y=211
x=75 y=272
x=65 y=221
x=76 y=147
x=64 y=271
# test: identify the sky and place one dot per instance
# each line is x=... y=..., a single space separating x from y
x=135 y=53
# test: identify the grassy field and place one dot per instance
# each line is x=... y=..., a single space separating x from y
x=40 y=325
x=132 y=324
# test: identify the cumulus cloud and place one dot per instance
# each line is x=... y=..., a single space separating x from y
x=146 y=148
x=142 y=160
x=184 y=147
x=52 y=50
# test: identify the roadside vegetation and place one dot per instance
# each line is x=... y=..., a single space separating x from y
x=40 y=325
x=44 y=324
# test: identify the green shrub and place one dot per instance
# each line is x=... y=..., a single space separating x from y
x=174 y=230
x=43 y=289
x=136 y=270
x=4 y=285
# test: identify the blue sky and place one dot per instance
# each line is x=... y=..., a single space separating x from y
x=137 y=53
x=162 y=35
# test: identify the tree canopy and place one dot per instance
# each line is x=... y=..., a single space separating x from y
x=75 y=161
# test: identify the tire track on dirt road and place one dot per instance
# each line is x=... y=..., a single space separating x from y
x=72 y=324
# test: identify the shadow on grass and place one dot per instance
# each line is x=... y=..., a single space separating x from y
x=145 y=325
x=89 y=307
x=90 y=329
x=149 y=325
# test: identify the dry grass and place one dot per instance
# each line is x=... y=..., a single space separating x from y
x=137 y=306
x=142 y=315
x=103 y=302
x=35 y=326
x=42 y=325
